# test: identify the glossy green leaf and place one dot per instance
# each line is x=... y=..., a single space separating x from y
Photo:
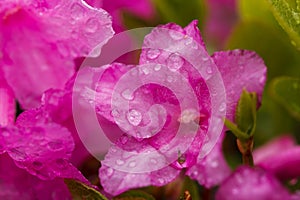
x=134 y=195
x=179 y=11
x=286 y=91
x=245 y=116
x=288 y=17
x=81 y=191
x=255 y=10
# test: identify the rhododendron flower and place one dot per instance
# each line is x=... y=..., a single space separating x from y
x=251 y=183
x=158 y=113
x=140 y=8
x=40 y=39
x=281 y=156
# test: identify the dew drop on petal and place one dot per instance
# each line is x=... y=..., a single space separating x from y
x=126 y=94
x=157 y=67
x=109 y=172
x=91 y=25
x=120 y=162
x=153 y=161
x=176 y=35
x=209 y=70
x=222 y=107
x=153 y=53
x=134 y=117
x=132 y=164
x=77 y=11
x=188 y=41
x=174 y=62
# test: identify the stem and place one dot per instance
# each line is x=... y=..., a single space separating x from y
x=246 y=147
x=206 y=193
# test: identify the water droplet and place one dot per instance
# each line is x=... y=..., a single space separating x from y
x=134 y=117
x=37 y=165
x=120 y=162
x=132 y=164
x=170 y=79
x=188 y=41
x=77 y=11
x=55 y=145
x=209 y=70
x=153 y=161
x=145 y=70
x=195 y=173
x=127 y=94
x=109 y=172
x=157 y=67
x=174 y=62
x=176 y=35
x=205 y=58
x=161 y=180
x=91 y=25
x=222 y=107
x=153 y=53
x=214 y=164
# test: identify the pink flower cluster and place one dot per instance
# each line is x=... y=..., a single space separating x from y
x=39 y=41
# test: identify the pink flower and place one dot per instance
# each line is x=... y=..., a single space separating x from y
x=280 y=156
x=222 y=15
x=159 y=113
x=40 y=39
x=140 y=8
x=251 y=183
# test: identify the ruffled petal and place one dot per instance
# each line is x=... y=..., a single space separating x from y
x=7 y=103
x=283 y=163
x=240 y=70
x=56 y=33
x=17 y=184
x=128 y=170
x=211 y=170
x=247 y=183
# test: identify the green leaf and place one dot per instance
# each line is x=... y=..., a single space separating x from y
x=245 y=116
x=286 y=91
x=134 y=195
x=288 y=18
x=81 y=191
x=179 y=11
x=255 y=10
x=235 y=130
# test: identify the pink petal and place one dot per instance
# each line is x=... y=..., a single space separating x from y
x=273 y=148
x=17 y=184
x=240 y=70
x=211 y=170
x=116 y=181
x=281 y=162
x=43 y=150
x=7 y=103
x=222 y=15
x=55 y=35
x=140 y=8
x=248 y=183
